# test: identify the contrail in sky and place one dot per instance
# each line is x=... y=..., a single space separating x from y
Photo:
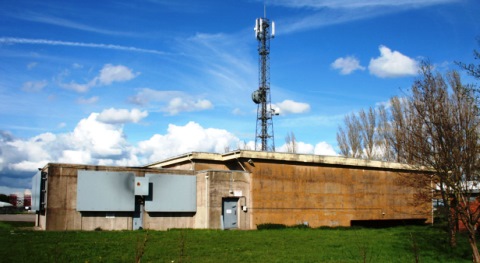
x=14 y=40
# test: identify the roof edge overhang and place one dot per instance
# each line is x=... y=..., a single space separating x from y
x=287 y=157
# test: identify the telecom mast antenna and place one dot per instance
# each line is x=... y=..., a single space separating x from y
x=264 y=31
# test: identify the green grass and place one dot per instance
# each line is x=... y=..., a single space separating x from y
x=18 y=244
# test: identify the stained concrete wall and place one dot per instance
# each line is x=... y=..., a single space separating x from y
x=320 y=190
x=212 y=187
x=61 y=200
x=228 y=184
x=330 y=196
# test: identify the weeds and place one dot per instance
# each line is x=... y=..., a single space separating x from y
x=140 y=249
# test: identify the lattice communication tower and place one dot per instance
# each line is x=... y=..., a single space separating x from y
x=264 y=31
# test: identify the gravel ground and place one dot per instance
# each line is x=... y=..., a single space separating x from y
x=18 y=217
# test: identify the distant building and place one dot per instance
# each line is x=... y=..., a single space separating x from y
x=236 y=190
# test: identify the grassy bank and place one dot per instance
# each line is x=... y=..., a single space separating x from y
x=401 y=244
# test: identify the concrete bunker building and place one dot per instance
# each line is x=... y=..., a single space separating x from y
x=235 y=190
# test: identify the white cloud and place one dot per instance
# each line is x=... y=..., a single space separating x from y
x=72 y=85
x=75 y=156
x=392 y=64
x=30 y=41
x=95 y=142
x=34 y=86
x=107 y=75
x=332 y=12
x=290 y=106
x=90 y=100
x=31 y=65
x=172 y=102
x=352 y=4
x=323 y=148
x=119 y=73
x=177 y=105
x=347 y=65
x=237 y=111
x=183 y=139
x=77 y=66
x=101 y=139
x=120 y=116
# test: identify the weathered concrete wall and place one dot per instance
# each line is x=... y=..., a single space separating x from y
x=61 y=198
x=228 y=184
x=325 y=191
x=293 y=193
x=212 y=187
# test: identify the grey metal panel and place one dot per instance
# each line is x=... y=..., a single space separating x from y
x=141 y=185
x=172 y=193
x=105 y=191
x=36 y=180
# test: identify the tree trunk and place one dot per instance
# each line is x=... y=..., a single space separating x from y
x=473 y=244
x=452 y=237
x=452 y=228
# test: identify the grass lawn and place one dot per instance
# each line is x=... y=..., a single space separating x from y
x=19 y=244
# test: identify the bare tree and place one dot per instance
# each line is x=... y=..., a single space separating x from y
x=359 y=138
x=291 y=143
x=383 y=131
x=440 y=124
x=350 y=139
x=472 y=69
x=435 y=127
x=368 y=127
x=342 y=142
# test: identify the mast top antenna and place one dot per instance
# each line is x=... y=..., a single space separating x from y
x=265 y=9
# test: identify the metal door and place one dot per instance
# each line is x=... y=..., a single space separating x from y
x=230 y=218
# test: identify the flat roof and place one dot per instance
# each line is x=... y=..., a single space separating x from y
x=280 y=156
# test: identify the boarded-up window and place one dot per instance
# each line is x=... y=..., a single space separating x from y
x=172 y=193
x=105 y=191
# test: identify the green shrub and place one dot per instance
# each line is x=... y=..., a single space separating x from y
x=300 y=226
x=269 y=226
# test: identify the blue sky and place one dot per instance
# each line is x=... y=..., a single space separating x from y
x=132 y=82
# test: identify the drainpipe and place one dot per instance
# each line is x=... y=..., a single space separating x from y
x=207 y=204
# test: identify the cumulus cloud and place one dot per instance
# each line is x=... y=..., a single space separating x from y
x=119 y=116
x=119 y=73
x=107 y=75
x=101 y=139
x=177 y=105
x=321 y=148
x=391 y=64
x=34 y=86
x=72 y=85
x=347 y=65
x=98 y=143
x=290 y=106
x=171 y=102
x=182 y=139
